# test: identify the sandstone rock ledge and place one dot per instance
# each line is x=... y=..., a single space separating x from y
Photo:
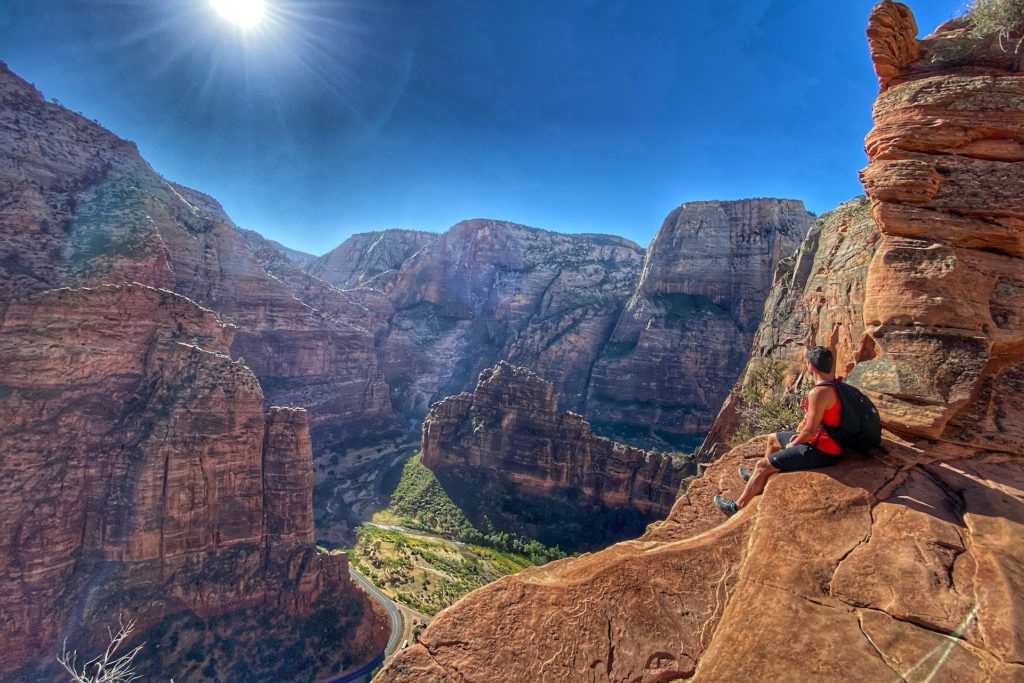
x=896 y=567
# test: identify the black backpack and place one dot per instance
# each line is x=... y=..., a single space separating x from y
x=859 y=425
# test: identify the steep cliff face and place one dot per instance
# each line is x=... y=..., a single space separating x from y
x=141 y=475
x=82 y=208
x=901 y=565
x=821 y=283
x=487 y=290
x=369 y=259
x=505 y=448
x=685 y=334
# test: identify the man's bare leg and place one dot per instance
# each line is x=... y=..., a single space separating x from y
x=762 y=470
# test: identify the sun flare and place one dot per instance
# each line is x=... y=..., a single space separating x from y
x=244 y=13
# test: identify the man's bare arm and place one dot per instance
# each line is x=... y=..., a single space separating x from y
x=817 y=404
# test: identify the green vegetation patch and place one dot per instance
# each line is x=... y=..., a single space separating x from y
x=1002 y=17
x=427 y=572
x=419 y=501
x=424 y=551
x=767 y=403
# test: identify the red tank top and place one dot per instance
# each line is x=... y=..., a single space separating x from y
x=822 y=441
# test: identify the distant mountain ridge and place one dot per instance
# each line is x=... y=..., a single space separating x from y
x=642 y=341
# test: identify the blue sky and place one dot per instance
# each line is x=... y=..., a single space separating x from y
x=341 y=116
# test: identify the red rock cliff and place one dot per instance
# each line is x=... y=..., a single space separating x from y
x=685 y=333
x=82 y=208
x=140 y=475
x=904 y=565
x=509 y=430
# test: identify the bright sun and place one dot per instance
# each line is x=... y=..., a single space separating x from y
x=244 y=13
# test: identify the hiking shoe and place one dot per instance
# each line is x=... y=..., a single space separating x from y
x=727 y=506
x=745 y=473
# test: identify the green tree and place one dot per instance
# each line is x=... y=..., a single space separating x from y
x=1004 y=18
x=767 y=403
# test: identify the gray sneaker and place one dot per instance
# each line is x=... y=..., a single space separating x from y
x=726 y=505
x=745 y=473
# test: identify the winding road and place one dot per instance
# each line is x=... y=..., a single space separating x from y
x=395 y=614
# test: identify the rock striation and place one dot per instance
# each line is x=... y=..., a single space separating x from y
x=944 y=311
x=621 y=333
x=900 y=565
x=489 y=290
x=368 y=259
x=508 y=435
x=822 y=283
x=685 y=333
x=141 y=476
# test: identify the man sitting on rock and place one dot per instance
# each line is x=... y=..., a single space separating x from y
x=810 y=447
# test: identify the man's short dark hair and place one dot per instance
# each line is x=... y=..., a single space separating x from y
x=821 y=358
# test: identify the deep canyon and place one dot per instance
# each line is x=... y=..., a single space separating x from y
x=187 y=409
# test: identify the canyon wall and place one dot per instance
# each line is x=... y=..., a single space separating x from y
x=488 y=290
x=685 y=333
x=623 y=334
x=82 y=208
x=822 y=283
x=902 y=564
x=143 y=474
x=142 y=477
x=505 y=448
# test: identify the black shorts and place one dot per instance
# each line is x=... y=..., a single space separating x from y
x=802 y=456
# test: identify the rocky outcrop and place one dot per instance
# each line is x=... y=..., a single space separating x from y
x=894 y=569
x=486 y=291
x=508 y=436
x=82 y=208
x=141 y=476
x=685 y=334
x=901 y=565
x=944 y=311
x=369 y=259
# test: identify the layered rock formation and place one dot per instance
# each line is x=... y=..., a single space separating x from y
x=685 y=333
x=505 y=447
x=945 y=305
x=822 y=283
x=367 y=259
x=623 y=339
x=901 y=565
x=82 y=208
x=141 y=476
x=488 y=290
